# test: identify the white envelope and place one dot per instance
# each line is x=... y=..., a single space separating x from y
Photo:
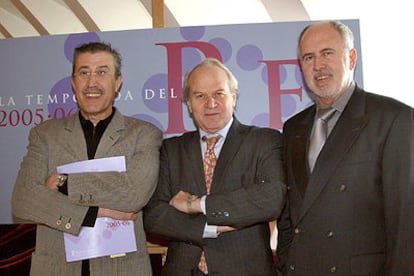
x=108 y=164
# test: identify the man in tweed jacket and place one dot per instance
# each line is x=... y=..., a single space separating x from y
x=98 y=130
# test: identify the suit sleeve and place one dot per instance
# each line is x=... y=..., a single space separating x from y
x=32 y=201
x=162 y=219
x=258 y=173
x=398 y=183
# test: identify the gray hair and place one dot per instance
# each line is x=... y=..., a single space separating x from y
x=343 y=30
x=95 y=47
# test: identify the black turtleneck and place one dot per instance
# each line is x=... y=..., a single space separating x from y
x=93 y=135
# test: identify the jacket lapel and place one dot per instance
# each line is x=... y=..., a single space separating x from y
x=343 y=136
x=111 y=135
x=74 y=138
x=192 y=150
x=75 y=141
x=298 y=151
x=231 y=146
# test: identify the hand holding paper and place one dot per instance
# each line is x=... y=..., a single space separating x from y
x=113 y=232
x=108 y=237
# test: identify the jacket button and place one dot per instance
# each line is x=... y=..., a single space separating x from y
x=342 y=188
x=226 y=214
x=292 y=267
x=297 y=230
x=330 y=234
x=333 y=269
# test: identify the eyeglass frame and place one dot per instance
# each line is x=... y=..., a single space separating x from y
x=99 y=74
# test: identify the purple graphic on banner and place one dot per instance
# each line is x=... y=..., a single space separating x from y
x=191 y=57
x=192 y=33
x=261 y=120
x=224 y=47
x=288 y=105
x=248 y=57
x=74 y=40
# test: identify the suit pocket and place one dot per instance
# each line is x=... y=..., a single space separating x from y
x=368 y=264
x=360 y=157
x=360 y=164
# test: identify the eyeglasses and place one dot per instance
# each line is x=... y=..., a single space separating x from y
x=85 y=75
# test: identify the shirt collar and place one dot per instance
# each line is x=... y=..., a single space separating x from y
x=343 y=100
x=222 y=132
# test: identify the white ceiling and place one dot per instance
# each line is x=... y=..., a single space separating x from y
x=22 y=18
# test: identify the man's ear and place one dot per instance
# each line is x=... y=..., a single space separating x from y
x=189 y=107
x=352 y=58
x=118 y=83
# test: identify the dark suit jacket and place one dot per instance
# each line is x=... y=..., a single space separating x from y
x=247 y=191
x=59 y=142
x=350 y=218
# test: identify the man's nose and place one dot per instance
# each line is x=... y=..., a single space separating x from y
x=318 y=62
x=211 y=102
x=92 y=79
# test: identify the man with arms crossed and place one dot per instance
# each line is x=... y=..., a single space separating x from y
x=220 y=229
x=60 y=203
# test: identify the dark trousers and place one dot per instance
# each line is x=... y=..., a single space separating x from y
x=85 y=268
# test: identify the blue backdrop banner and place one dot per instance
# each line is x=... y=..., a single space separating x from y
x=35 y=82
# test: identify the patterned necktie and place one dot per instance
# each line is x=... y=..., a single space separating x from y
x=319 y=135
x=209 y=164
x=209 y=160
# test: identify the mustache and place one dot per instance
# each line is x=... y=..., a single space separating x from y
x=322 y=73
x=92 y=90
